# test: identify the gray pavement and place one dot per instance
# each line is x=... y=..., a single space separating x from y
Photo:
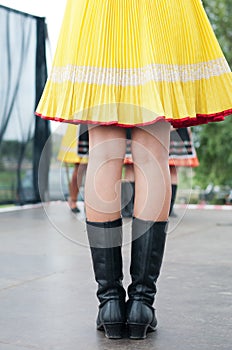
x=47 y=289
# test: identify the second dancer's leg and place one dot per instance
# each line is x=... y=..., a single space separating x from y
x=174 y=182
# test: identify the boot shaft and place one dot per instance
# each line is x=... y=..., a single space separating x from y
x=173 y=199
x=148 y=244
x=105 y=241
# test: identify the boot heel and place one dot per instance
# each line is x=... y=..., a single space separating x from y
x=137 y=331
x=113 y=331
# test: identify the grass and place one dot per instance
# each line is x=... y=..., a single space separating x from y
x=2 y=206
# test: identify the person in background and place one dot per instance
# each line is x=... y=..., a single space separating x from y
x=68 y=155
x=182 y=153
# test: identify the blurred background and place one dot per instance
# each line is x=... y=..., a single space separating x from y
x=29 y=33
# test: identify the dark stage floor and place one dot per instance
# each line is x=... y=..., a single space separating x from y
x=47 y=289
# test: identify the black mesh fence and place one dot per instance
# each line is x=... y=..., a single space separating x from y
x=23 y=74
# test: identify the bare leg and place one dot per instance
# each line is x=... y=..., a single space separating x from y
x=150 y=150
x=129 y=172
x=73 y=188
x=75 y=183
x=174 y=175
x=104 y=172
x=81 y=172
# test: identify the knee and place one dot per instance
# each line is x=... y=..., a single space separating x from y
x=108 y=151
x=149 y=157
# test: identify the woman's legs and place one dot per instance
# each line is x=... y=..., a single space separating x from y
x=174 y=175
x=129 y=172
x=73 y=191
x=150 y=154
x=104 y=224
x=104 y=173
x=150 y=148
x=150 y=151
x=75 y=184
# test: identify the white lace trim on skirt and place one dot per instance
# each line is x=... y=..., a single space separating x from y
x=140 y=76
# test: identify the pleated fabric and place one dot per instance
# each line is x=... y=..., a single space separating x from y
x=68 y=148
x=182 y=151
x=134 y=62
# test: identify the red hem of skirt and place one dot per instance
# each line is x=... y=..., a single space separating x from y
x=176 y=123
x=187 y=162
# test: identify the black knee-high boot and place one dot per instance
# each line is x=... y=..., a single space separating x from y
x=127 y=198
x=146 y=258
x=173 y=199
x=105 y=243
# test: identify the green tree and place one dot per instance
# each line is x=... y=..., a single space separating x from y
x=219 y=13
x=215 y=140
x=215 y=154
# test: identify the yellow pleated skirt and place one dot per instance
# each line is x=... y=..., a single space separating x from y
x=134 y=62
x=68 y=148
